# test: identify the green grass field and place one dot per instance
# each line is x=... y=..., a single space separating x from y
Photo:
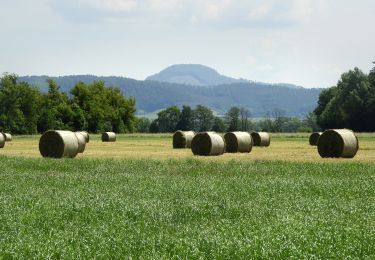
x=111 y=202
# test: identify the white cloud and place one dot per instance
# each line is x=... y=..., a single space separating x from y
x=230 y=13
x=113 y=5
x=308 y=42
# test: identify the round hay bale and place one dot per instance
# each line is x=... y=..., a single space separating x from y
x=2 y=141
x=182 y=139
x=337 y=143
x=207 y=144
x=86 y=135
x=8 y=137
x=81 y=141
x=261 y=139
x=58 y=144
x=108 y=137
x=238 y=142
x=314 y=137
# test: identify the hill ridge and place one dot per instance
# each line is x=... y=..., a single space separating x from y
x=151 y=96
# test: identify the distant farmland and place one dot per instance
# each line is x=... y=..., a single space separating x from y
x=288 y=147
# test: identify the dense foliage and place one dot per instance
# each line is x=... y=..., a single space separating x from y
x=236 y=119
x=349 y=104
x=24 y=109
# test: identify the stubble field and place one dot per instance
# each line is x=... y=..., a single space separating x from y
x=139 y=198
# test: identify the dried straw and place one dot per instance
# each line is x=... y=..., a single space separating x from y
x=86 y=135
x=261 y=139
x=182 y=139
x=338 y=143
x=207 y=144
x=2 y=141
x=238 y=142
x=58 y=144
x=81 y=141
x=108 y=137
x=8 y=137
x=314 y=137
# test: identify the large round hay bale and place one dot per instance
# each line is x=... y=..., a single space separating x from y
x=238 y=142
x=207 y=144
x=182 y=139
x=314 y=137
x=2 y=141
x=338 y=143
x=86 y=135
x=81 y=141
x=261 y=139
x=108 y=137
x=8 y=137
x=58 y=144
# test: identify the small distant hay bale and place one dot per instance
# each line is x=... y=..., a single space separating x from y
x=58 y=144
x=81 y=141
x=86 y=135
x=8 y=137
x=182 y=139
x=261 y=139
x=336 y=143
x=207 y=144
x=2 y=141
x=108 y=137
x=314 y=137
x=238 y=142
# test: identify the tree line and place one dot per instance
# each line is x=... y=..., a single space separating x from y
x=94 y=107
x=202 y=118
x=349 y=104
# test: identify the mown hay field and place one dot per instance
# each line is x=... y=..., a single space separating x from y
x=288 y=147
x=139 y=198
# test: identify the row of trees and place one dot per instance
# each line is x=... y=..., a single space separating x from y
x=349 y=104
x=236 y=119
x=92 y=107
x=24 y=109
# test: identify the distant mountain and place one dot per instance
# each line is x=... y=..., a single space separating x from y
x=151 y=96
x=193 y=74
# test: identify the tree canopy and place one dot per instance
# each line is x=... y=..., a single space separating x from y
x=349 y=104
x=24 y=109
x=236 y=119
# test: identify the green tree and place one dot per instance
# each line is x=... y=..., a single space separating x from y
x=371 y=101
x=105 y=108
x=310 y=121
x=55 y=112
x=219 y=125
x=154 y=127
x=185 y=122
x=19 y=106
x=143 y=125
x=203 y=118
x=167 y=119
x=291 y=124
x=348 y=104
x=245 y=119
x=232 y=119
x=266 y=124
x=279 y=120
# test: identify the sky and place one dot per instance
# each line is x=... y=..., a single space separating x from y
x=303 y=42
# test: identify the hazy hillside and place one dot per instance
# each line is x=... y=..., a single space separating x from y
x=200 y=75
x=192 y=74
x=153 y=95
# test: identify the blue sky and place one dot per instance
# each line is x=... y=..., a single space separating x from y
x=304 y=42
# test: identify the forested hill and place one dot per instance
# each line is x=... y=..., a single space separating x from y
x=151 y=96
x=193 y=74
